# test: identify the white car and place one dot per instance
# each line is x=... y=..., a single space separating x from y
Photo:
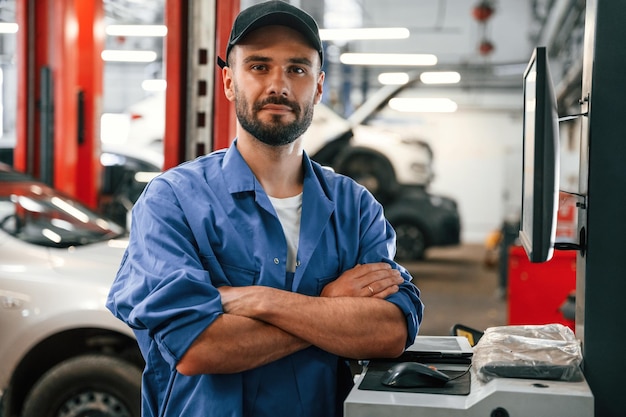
x=381 y=159
x=63 y=353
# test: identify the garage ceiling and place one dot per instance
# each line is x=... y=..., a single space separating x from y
x=445 y=28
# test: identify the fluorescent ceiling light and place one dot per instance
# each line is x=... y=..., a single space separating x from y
x=8 y=27
x=136 y=30
x=363 y=33
x=442 y=77
x=153 y=85
x=423 y=105
x=393 y=78
x=388 y=59
x=128 y=56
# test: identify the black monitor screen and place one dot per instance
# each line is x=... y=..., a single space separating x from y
x=540 y=176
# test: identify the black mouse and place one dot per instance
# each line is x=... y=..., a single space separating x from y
x=413 y=374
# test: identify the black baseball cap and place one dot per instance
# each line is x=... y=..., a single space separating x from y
x=274 y=12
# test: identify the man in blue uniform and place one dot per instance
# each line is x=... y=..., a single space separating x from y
x=253 y=272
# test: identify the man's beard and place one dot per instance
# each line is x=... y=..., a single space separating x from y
x=275 y=132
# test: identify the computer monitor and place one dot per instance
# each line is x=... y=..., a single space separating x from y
x=540 y=176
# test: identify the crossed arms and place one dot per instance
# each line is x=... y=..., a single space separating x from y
x=263 y=324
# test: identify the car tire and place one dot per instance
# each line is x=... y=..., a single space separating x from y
x=371 y=170
x=87 y=385
x=411 y=241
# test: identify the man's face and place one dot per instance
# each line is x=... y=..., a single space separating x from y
x=275 y=81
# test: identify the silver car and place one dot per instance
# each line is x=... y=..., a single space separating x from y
x=63 y=354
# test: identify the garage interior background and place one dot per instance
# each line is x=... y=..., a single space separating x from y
x=477 y=148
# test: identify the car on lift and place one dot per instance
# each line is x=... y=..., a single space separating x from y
x=63 y=353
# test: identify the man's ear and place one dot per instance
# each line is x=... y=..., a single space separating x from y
x=229 y=87
x=320 y=87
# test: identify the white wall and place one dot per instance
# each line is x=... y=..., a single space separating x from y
x=475 y=162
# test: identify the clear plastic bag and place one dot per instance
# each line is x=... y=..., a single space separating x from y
x=548 y=351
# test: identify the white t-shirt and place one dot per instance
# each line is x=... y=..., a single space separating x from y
x=289 y=211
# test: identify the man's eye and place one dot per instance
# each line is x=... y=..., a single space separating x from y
x=298 y=70
x=259 y=67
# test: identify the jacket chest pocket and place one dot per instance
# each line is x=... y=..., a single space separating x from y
x=224 y=274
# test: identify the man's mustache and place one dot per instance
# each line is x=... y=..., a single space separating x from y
x=278 y=100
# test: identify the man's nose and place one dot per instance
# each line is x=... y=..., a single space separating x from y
x=278 y=82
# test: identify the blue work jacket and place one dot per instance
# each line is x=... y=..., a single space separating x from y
x=209 y=223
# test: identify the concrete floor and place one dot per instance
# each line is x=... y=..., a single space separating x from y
x=457 y=287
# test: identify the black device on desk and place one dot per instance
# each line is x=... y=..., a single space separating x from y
x=413 y=374
x=444 y=349
x=451 y=355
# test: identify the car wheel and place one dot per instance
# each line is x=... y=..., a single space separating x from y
x=372 y=171
x=410 y=241
x=90 y=385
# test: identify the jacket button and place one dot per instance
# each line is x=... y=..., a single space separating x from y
x=276 y=261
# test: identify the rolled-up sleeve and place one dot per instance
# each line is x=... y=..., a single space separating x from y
x=162 y=286
x=408 y=300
